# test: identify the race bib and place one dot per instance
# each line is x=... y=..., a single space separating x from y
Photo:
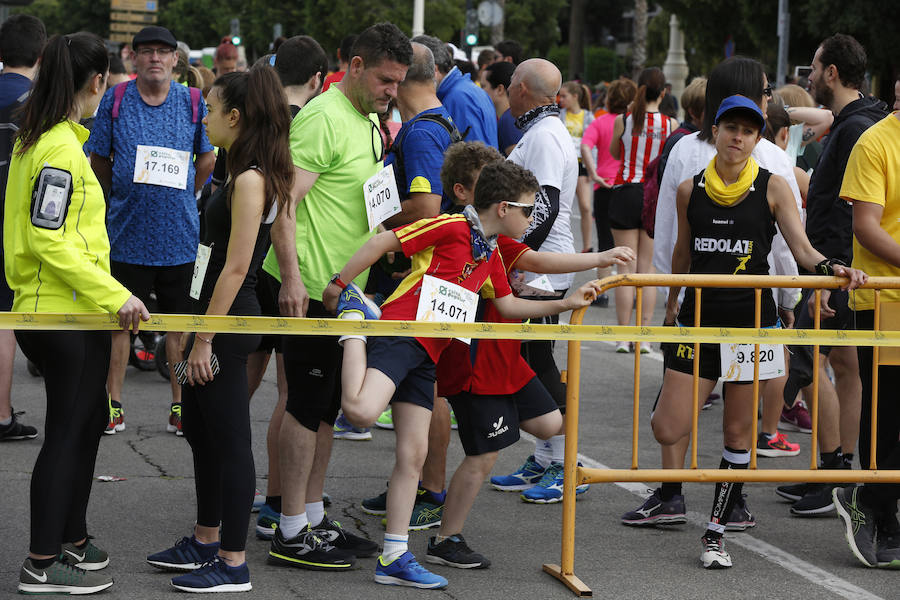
x=444 y=302
x=737 y=361
x=161 y=166
x=382 y=198
x=200 y=265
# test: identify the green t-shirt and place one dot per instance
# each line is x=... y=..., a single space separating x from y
x=331 y=138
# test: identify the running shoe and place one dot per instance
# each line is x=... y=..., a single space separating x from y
x=622 y=348
x=266 y=522
x=353 y=301
x=796 y=418
x=793 y=492
x=710 y=401
x=777 y=445
x=343 y=430
x=306 y=550
x=427 y=511
x=215 y=576
x=740 y=519
x=453 y=423
x=89 y=558
x=376 y=506
x=186 y=555
x=816 y=501
x=116 y=418
x=454 y=552
x=60 y=578
x=520 y=480
x=333 y=533
x=859 y=523
x=888 y=552
x=405 y=570
x=16 y=430
x=714 y=555
x=655 y=511
x=174 y=424
x=385 y=420
x=550 y=487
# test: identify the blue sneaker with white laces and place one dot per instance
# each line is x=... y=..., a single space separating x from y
x=267 y=522
x=215 y=576
x=186 y=555
x=550 y=488
x=344 y=430
x=352 y=303
x=405 y=570
x=525 y=477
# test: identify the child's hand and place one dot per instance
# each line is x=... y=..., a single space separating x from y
x=620 y=255
x=584 y=295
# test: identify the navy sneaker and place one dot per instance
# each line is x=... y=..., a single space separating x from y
x=405 y=570
x=215 y=576
x=352 y=300
x=656 y=512
x=455 y=552
x=344 y=430
x=740 y=519
x=520 y=480
x=186 y=555
x=266 y=522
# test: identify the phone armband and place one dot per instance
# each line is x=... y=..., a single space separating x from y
x=50 y=198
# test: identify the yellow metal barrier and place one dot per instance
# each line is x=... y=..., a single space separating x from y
x=575 y=475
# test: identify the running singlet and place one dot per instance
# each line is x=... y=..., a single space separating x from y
x=732 y=240
x=638 y=151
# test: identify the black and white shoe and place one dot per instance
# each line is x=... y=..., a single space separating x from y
x=714 y=555
x=16 y=431
x=454 y=552
x=308 y=551
x=816 y=502
x=332 y=532
x=792 y=492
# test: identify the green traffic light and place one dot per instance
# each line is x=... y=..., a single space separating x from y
x=471 y=39
x=236 y=40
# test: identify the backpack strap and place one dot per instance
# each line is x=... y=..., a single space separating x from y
x=397 y=146
x=118 y=94
x=195 y=104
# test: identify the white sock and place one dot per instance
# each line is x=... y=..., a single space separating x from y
x=394 y=546
x=557 y=448
x=292 y=525
x=542 y=453
x=315 y=512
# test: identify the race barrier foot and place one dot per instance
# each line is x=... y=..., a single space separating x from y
x=571 y=581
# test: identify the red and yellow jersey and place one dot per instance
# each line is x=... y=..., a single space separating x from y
x=487 y=367
x=442 y=247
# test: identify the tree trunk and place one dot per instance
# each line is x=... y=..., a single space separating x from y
x=576 y=39
x=639 y=49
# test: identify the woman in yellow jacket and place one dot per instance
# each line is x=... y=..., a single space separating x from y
x=55 y=241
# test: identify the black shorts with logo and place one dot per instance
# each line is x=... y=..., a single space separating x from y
x=489 y=423
x=171 y=284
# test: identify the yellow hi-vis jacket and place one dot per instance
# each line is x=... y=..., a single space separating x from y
x=64 y=269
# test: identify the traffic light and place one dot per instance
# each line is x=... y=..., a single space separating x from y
x=235 y=31
x=236 y=40
x=471 y=30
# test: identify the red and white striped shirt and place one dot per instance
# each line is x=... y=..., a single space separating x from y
x=638 y=151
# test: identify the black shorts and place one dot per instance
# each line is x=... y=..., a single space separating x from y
x=267 y=288
x=407 y=364
x=602 y=197
x=680 y=357
x=625 y=206
x=171 y=284
x=312 y=365
x=491 y=423
x=842 y=319
x=582 y=172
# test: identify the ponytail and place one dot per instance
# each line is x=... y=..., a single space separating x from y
x=263 y=140
x=650 y=85
x=578 y=90
x=67 y=63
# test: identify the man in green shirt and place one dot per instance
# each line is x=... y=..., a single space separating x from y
x=336 y=146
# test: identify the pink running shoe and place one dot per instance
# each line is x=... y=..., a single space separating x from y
x=796 y=418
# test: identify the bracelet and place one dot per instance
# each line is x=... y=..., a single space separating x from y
x=203 y=339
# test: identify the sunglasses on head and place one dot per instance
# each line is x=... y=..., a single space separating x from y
x=768 y=90
x=527 y=209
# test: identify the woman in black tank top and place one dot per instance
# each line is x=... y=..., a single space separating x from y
x=249 y=118
x=726 y=221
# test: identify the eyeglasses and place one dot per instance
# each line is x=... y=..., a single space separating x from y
x=527 y=209
x=768 y=90
x=376 y=134
x=162 y=52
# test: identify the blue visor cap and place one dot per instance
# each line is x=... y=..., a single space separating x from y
x=743 y=105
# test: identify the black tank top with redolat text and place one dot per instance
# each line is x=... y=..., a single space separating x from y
x=733 y=240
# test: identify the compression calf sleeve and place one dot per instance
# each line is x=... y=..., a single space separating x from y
x=727 y=492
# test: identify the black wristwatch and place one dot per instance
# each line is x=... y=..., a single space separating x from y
x=826 y=267
x=336 y=280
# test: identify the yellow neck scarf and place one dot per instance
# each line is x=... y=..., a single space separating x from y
x=726 y=195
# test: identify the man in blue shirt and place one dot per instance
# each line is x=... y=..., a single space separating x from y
x=151 y=154
x=471 y=108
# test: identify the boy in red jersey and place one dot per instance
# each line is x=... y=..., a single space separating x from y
x=454 y=259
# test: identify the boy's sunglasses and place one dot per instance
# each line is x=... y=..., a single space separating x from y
x=527 y=209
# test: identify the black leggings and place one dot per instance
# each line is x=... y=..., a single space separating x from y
x=74 y=365
x=216 y=421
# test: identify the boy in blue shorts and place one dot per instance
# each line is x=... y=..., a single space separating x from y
x=454 y=258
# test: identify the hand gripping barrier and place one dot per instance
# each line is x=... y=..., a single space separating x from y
x=575 y=475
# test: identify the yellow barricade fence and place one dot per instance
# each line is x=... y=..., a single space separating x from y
x=575 y=475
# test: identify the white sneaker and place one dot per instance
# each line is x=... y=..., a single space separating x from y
x=714 y=555
x=622 y=348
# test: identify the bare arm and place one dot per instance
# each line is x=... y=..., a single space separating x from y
x=615 y=148
x=203 y=165
x=557 y=262
x=512 y=307
x=102 y=167
x=681 y=253
x=293 y=300
x=419 y=205
x=816 y=121
x=365 y=257
x=871 y=236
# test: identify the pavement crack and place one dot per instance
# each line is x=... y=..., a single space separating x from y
x=145 y=457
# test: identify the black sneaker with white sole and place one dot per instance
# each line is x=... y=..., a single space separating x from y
x=454 y=552
x=334 y=533
x=15 y=430
x=308 y=551
x=793 y=491
x=816 y=502
x=60 y=578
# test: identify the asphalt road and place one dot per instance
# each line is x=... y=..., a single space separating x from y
x=784 y=557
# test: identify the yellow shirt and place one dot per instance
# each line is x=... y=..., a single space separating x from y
x=66 y=269
x=873 y=175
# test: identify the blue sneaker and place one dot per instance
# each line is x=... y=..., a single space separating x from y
x=186 y=555
x=352 y=300
x=344 y=430
x=527 y=476
x=405 y=570
x=215 y=576
x=550 y=488
x=267 y=522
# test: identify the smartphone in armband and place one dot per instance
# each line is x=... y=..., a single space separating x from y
x=50 y=198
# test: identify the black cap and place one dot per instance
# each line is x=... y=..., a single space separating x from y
x=154 y=34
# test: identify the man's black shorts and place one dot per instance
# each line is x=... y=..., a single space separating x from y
x=267 y=288
x=171 y=284
x=491 y=423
